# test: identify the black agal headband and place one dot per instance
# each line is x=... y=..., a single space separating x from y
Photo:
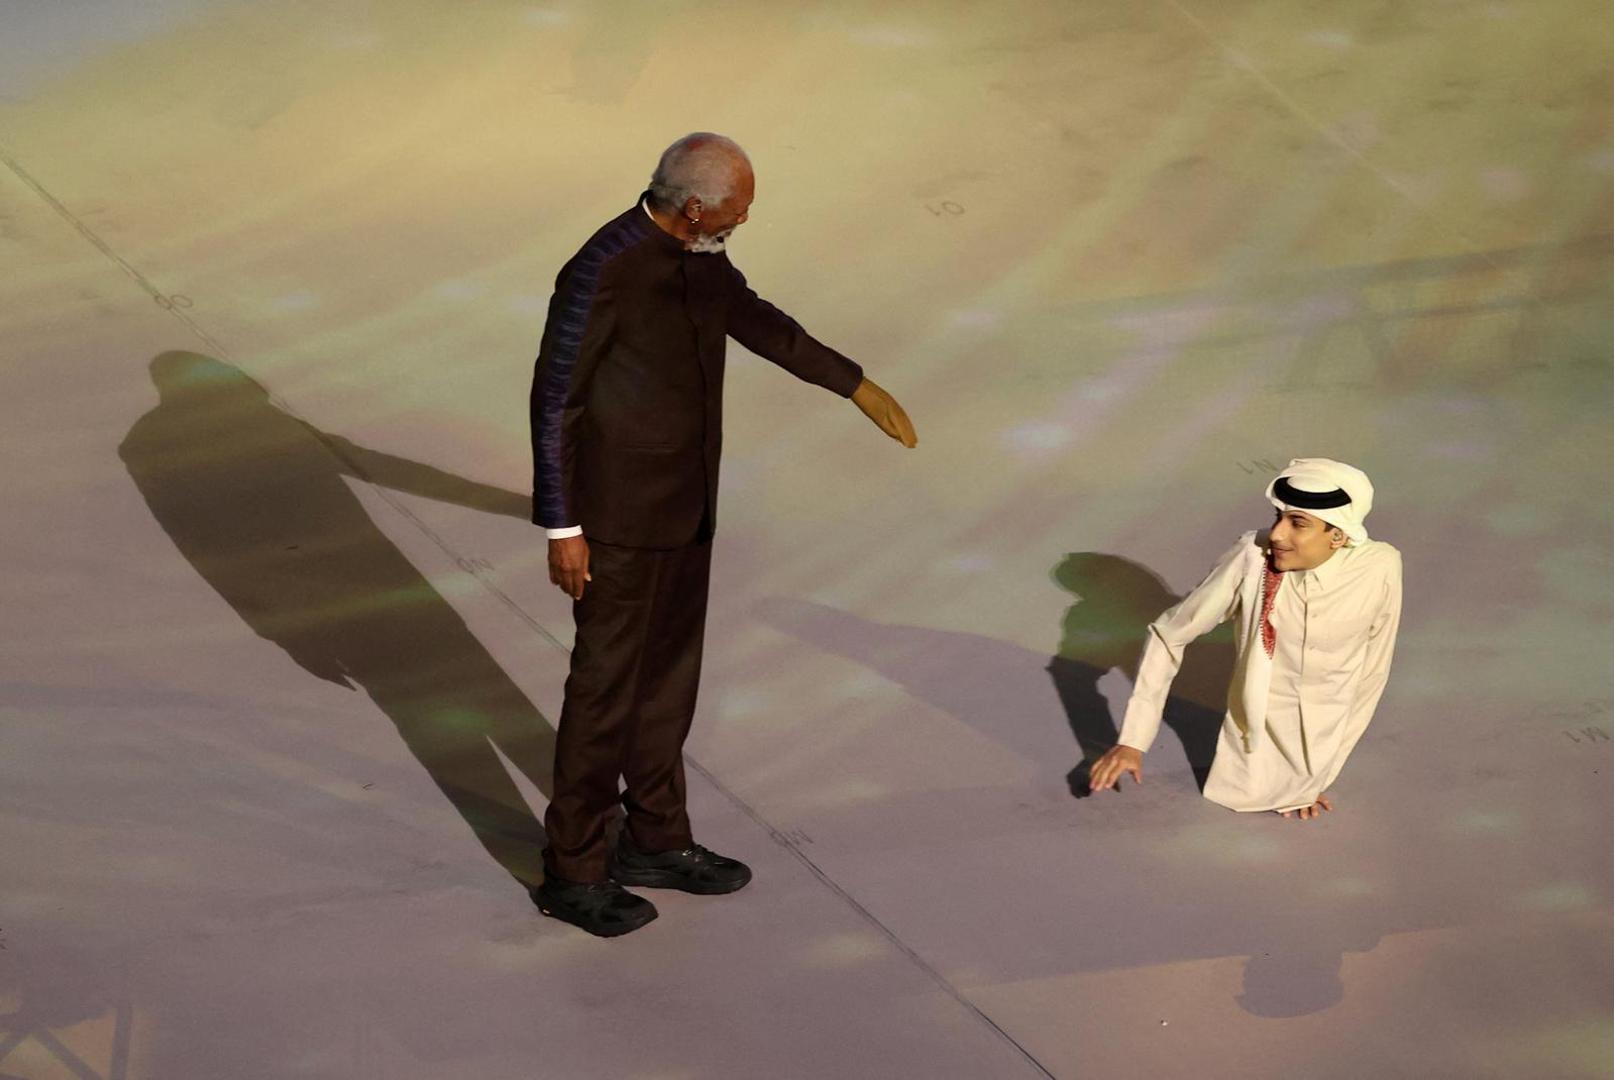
x=1309 y=500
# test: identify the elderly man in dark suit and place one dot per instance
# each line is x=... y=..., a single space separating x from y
x=627 y=427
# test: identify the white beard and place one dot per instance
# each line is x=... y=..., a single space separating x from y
x=710 y=245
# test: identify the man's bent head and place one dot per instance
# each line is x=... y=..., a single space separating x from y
x=705 y=184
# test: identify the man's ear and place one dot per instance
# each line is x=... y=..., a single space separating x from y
x=692 y=208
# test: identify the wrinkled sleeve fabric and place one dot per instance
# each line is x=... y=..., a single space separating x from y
x=1212 y=602
x=577 y=330
x=1375 y=667
x=778 y=338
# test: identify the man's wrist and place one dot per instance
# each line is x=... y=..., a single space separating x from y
x=564 y=532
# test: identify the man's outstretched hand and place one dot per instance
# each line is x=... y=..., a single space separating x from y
x=1106 y=771
x=568 y=565
x=883 y=409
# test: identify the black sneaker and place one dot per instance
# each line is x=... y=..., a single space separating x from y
x=604 y=908
x=692 y=869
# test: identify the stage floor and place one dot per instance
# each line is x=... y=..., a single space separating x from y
x=274 y=276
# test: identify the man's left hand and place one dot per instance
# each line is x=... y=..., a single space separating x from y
x=883 y=409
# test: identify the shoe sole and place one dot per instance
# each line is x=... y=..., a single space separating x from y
x=609 y=932
x=664 y=879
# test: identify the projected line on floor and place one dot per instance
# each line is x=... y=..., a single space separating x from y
x=174 y=305
x=792 y=845
x=1242 y=61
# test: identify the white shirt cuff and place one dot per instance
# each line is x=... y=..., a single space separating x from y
x=562 y=534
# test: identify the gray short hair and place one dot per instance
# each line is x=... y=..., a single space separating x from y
x=699 y=166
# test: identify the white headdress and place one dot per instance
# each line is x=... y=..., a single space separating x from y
x=1338 y=493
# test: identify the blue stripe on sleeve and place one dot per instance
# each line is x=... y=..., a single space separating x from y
x=554 y=509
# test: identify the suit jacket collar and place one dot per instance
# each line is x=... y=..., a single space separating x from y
x=658 y=234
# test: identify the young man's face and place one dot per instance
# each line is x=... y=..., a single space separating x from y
x=1302 y=542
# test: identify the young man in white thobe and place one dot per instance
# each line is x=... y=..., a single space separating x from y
x=1316 y=604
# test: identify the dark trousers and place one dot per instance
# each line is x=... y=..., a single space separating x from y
x=629 y=701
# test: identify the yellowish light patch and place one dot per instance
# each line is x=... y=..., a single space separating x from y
x=1581 y=1048
x=1345 y=887
x=1215 y=845
x=841 y=950
x=1559 y=896
x=1487 y=821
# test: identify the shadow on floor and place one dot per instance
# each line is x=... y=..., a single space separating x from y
x=257 y=501
x=1105 y=629
x=996 y=687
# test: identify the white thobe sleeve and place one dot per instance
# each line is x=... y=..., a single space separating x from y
x=1212 y=602
x=1375 y=668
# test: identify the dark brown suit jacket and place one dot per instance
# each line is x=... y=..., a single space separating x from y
x=627 y=394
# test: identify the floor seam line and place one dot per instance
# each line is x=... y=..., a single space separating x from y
x=1244 y=63
x=868 y=916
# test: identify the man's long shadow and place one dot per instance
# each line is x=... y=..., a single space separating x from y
x=256 y=500
x=994 y=686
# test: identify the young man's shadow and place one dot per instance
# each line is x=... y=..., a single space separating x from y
x=1106 y=628
x=256 y=500
x=993 y=685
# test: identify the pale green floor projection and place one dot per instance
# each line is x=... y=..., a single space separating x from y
x=1119 y=260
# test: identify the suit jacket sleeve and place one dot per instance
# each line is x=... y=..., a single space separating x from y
x=1212 y=602
x=576 y=333
x=776 y=337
